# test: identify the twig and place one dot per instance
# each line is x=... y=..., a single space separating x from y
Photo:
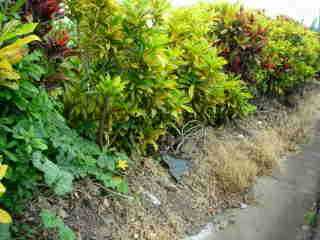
x=114 y=192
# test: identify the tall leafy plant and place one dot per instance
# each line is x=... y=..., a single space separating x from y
x=214 y=95
x=127 y=72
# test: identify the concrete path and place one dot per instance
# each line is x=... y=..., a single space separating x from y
x=282 y=200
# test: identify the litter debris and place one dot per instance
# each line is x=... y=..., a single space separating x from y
x=205 y=233
x=153 y=199
x=243 y=206
x=177 y=167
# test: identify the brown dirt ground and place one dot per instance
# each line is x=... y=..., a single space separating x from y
x=225 y=163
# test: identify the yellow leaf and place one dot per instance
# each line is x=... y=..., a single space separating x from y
x=3 y=170
x=191 y=91
x=15 y=51
x=162 y=60
x=170 y=84
x=5 y=217
x=2 y=189
x=7 y=71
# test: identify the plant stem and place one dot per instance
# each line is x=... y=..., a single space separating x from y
x=102 y=122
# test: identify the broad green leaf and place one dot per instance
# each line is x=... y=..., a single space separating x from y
x=187 y=108
x=5 y=231
x=106 y=161
x=50 y=220
x=191 y=91
x=64 y=183
x=65 y=233
x=58 y=179
x=14 y=30
x=39 y=144
x=1 y=17
x=10 y=156
x=8 y=28
x=17 y=6
x=123 y=187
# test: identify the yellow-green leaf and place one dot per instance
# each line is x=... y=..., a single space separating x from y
x=2 y=189
x=3 y=170
x=191 y=91
x=15 y=51
x=5 y=217
x=7 y=71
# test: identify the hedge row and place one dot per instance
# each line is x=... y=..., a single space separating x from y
x=146 y=67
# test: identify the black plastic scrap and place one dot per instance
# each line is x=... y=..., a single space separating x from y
x=177 y=167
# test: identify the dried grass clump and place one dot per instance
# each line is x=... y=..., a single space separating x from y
x=264 y=149
x=234 y=171
x=237 y=161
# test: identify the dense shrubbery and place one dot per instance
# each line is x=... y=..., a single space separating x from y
x=140 y=74
x=143 y=70
x=117 y=75
x=126 y=80
x=290 y=58
x=214 y=95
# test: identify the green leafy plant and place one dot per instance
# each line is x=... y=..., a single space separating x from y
x=311 y=218
x=52 y=222
x=40 y=147
x=34 y=139
x=43 y=152
x=126 y=54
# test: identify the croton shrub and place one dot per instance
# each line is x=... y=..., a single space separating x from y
x=290 y=58
x=240 y=37
x=144 y=67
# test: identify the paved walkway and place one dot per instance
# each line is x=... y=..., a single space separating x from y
x=283 y=200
